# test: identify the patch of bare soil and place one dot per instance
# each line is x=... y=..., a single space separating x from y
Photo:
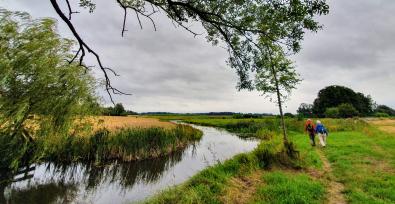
x=335 y=189
x=240 y=190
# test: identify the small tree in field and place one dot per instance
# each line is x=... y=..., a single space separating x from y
x=276 y=75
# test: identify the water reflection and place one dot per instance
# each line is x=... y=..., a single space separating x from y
x=118 y=182
x=59 y=183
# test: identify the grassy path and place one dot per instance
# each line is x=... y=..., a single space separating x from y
x=335 y=189
x=364 y=162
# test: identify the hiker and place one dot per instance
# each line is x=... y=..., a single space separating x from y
x=321 y=132
x=310 y=129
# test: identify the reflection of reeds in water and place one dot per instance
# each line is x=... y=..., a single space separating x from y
x=45 y=193
x=61 y=181
x=34 y=193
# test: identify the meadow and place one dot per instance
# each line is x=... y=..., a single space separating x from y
x=357 y=166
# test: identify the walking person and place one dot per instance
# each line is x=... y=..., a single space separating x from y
x=310 y=129
x=321 y=132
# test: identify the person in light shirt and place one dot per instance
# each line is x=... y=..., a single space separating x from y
x=321 y=132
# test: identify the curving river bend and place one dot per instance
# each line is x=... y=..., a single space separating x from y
x=121 y=182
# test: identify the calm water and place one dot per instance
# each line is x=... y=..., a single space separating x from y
x=120 y=182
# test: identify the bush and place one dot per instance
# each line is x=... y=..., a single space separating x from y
x=242 y=116
x=117 y=110
x=347 y=110
x=381 y=115
x=289 y=115
x=385 y=109
x=332 y=112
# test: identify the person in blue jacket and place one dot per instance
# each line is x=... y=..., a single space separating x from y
x=322 y=133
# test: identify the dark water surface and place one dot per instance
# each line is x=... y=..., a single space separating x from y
x=120 y=182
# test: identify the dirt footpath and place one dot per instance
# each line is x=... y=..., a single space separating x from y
x=335 y=189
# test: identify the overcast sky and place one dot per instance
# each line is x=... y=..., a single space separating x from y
x=170 y=70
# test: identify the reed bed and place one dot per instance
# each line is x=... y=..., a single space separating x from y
x=126 y=144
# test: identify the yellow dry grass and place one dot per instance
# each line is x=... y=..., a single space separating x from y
x=240 y=190
x=383 y=122
x=113 y=123
x=385 y=125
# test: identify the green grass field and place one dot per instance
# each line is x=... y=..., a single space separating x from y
x=361 y=161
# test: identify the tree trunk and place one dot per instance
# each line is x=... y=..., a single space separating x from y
x=285 y=138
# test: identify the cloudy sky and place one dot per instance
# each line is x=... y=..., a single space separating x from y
x=170 y=70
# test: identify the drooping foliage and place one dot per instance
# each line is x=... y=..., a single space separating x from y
x=40 y=91
x=248 y=29
x=256 y=33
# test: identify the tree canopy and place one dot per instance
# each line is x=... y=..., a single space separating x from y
x=305 y=110
x=247 y=28
x=333 y=96
x=385 y=109
x=276 y=75
x=117 y=110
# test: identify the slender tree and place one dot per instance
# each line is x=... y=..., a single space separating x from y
x=276 y=75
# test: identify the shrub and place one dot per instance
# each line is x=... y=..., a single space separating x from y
x=332 y=112
x=289 y=115
x=347 y=110
x=385 y=109
x=381 y=115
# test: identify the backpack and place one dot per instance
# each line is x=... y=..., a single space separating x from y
x=310 y=128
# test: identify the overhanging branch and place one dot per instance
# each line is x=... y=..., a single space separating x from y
x=81 y=53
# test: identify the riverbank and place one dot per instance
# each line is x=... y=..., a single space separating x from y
x=126 y=144
x=358 y=166
x=123 y=182
x=111 y=138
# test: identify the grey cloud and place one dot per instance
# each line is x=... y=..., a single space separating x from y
x=170 y=70
x=355 y=35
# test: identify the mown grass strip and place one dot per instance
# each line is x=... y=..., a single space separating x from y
x=283 y=187
x=364 y=162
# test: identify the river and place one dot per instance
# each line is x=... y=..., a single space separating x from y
x=121 y=182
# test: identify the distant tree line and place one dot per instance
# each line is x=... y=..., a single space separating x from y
x=117 y=110
x=342 y=102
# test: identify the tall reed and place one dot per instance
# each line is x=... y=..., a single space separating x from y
x=126 y=144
